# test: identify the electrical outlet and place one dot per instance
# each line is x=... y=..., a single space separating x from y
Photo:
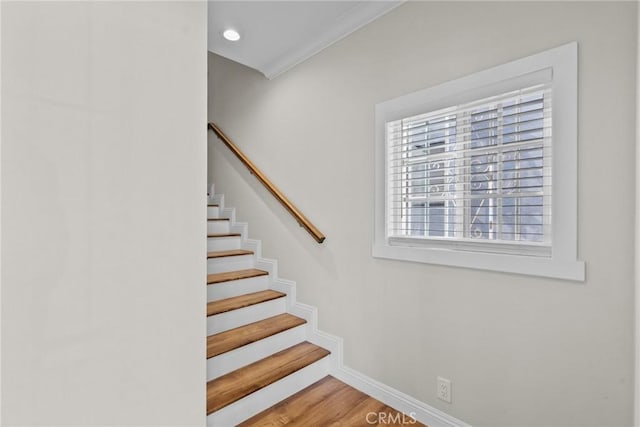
x=444 y=389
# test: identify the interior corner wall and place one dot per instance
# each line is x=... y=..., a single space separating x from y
x=103 y=213
x=636 y=412
x=0 y=212
x=518 y=350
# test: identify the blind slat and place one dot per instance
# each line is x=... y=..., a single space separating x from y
x=480 y=170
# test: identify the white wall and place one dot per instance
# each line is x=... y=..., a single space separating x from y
x=519 y=350
x=636 y=412
x=103 y=213
x=0 y=212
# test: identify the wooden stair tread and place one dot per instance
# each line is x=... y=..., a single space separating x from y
x=329 y=402
x=313 y=403
x=224 y=235
x=234 y=303
x=235 y=385
x=231 y=252
x=229 y=276
x=247 y=334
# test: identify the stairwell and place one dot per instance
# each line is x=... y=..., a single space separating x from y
x=267 y=365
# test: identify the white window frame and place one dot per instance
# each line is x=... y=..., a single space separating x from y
x=560 y=65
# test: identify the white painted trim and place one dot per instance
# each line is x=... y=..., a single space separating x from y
x=211 y=191
x=351 y=21
x=563 y=262
x=232 y=263
x=245 y=315
x=223 y=243
x=217 y=227
x=636 y=377
x=517 y=264
x=213 y=212
x=236 y=288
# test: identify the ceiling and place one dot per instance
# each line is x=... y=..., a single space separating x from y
x=277 y=35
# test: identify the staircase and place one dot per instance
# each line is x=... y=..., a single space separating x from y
x=266 y=363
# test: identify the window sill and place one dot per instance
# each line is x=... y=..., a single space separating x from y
x=507 y=263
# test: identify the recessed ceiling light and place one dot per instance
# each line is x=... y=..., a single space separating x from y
x=231 y=35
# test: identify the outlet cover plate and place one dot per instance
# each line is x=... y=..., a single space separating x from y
x=444 y=389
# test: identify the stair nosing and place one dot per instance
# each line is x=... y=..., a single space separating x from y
x=217 y=235
x=248 y=273
x=228 y=253
x=276 y=376
x=268 y=294
x=295 y=322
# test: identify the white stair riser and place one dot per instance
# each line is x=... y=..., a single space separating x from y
x=268 y=396
x=223 y=243
x=217 y=227
x=213 y=211
x=243 y=316
x=236 y=288
x=230 y=263
x=235 y=359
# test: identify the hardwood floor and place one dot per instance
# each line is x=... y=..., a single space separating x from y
x=330 y=402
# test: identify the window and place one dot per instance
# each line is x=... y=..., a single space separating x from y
x=481 y=172
x=476 y=172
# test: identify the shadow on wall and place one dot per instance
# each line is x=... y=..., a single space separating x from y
x=321 y=253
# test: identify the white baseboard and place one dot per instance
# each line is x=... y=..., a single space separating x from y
x=396 y=399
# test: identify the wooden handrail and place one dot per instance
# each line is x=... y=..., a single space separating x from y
x=293 y=210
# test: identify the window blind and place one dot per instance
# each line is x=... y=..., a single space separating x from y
x=476 y=172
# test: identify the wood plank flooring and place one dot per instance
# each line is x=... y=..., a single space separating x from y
x=330 y=402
